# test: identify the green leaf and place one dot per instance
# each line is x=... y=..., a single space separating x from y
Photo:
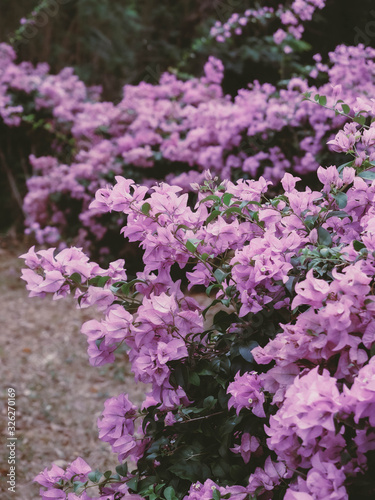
x=223 y=320
x=232 y=210
x=183 y=226
x=210 y=288
x=99 y=281
x=227 y=198
x=368 y=175
x=145 y=208
x=77 y=486
x=144 y=484
x=107 y=474
x=226 y=302
x=360 y=119
x=306 y=96
x=103 y=280
x=310 y=221
x=251 y=202
x=324 y=238
x=341 y=199
x=230 y=291
x=204 y=256
x=194 y=379
x=245 y=351
x=95 y=476
x=133 y=484
x=213 y=215
x=230 y=423
x=213 y=303
x=218 y=471
x=216 y=494
x=345 y=108
x=236 y=472
x=290 y=283
x=322 y=100
x=158 y=487
x=76 y=278
x=209 y=402
x=122 y=469
x=192 y=244
x=211 y=197
x=185 y=470
x=125 y=288
x=220 y=275
x=358 y=245
x=98 y=342
x=337 y=213
x=169 y=494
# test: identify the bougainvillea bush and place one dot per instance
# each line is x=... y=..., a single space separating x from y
x=38 y=109
x=36 y=113
x=267 y=390
x=175 y=130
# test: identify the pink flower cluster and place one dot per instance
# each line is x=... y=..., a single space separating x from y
x=236 y=22
x=62 y=94
x=291 y=16
x=116 y=426
x=246 y=392
x=199 y=491
x=304 y=425
x=57 y=481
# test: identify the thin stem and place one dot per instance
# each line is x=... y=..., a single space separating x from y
x=199 y=418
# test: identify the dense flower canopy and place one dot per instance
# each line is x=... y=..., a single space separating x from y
x=175 y=129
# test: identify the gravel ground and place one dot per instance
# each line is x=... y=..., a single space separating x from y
x=59 y=396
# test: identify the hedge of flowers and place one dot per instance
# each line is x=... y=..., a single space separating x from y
x=26 y=90
x=36 y=112
x=267 y=391
x=172 y=130
x=176 y=129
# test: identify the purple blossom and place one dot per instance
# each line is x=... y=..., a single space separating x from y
x=361 y=396
x=324 y=480
x=116 y=426
x=246 y=392
x=304 y=424
x=312 y=291
x=248 y=445
x=49 y=477
x=262 y=480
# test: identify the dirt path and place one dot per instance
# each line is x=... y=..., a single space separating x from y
x=58 y=394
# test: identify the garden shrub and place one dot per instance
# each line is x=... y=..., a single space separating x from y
x=36 y=112
x=175 y=130
x=33 y=101
x=273 y=395
x=172 y=129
